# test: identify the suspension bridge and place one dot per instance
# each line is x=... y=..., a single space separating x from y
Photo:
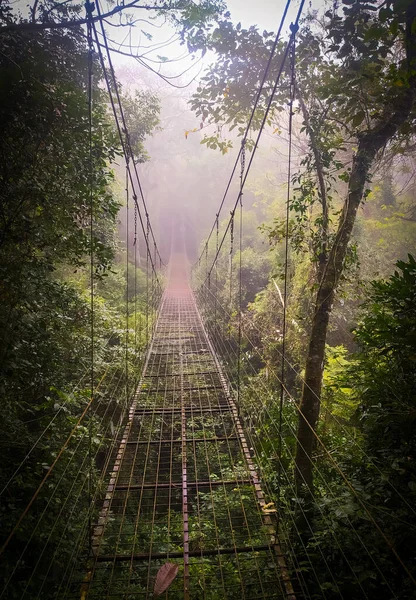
x=183 y=486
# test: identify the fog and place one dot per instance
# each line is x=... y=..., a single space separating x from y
x=184 y=181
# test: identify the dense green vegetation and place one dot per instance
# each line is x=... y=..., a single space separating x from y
x=48 y=197
x=355 y=84
x=345 y=420
x=364 y=451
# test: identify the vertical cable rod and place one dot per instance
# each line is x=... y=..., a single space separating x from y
x=89 y=7
x=147 y=279
x=240 y=281
x=127 y=280
x=135 y=284
x=154 y=297
x=185 y=515
x=216 y=273
x=232 y=213
x=286 y=270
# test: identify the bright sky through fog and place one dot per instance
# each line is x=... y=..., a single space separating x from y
x=266 y=14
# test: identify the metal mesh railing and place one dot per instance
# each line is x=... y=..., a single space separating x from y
x=183 y=487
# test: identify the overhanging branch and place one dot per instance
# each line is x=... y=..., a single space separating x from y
x=30 y=26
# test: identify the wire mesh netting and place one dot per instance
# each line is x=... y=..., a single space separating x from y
x=183 y=488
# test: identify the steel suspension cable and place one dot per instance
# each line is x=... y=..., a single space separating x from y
x=135 y=284
x=240 y=281
x=123 y=139
x=148 y=256
x=127 y=138
x=289 y=176
x=294 y=29
x=127 y=283
x=230 y=262
x=89 y=7
x=252 y=114
x=216 y=266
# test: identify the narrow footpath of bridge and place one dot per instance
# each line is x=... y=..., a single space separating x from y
x=183 y=488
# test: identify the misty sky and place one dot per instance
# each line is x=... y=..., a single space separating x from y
x=183 y=174
x=266 y=14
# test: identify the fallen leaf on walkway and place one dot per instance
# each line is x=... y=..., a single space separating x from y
x=164 y=578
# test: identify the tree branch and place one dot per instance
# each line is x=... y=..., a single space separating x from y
x=33 y=10
x=30 y=26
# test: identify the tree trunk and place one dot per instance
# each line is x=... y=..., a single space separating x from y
x=311 y=392
x=370 y=142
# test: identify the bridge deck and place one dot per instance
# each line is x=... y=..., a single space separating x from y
x=183 y=487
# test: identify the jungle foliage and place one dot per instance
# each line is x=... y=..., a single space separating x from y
x=50 y=191
x=354 y=135
x=355 y=88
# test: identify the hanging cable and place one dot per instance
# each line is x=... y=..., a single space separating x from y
x=123 y=120
x=123 y=137
x=286 y=270
x=127 y=282
x=240 y=281
x=89 y=7
x=135 y=284
x=216 y=271
x=154 y=301
x=294 y=28
x=230 y=268
x=252 y=114
x=147 y=279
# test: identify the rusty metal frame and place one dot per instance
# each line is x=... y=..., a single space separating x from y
x=184 y=465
